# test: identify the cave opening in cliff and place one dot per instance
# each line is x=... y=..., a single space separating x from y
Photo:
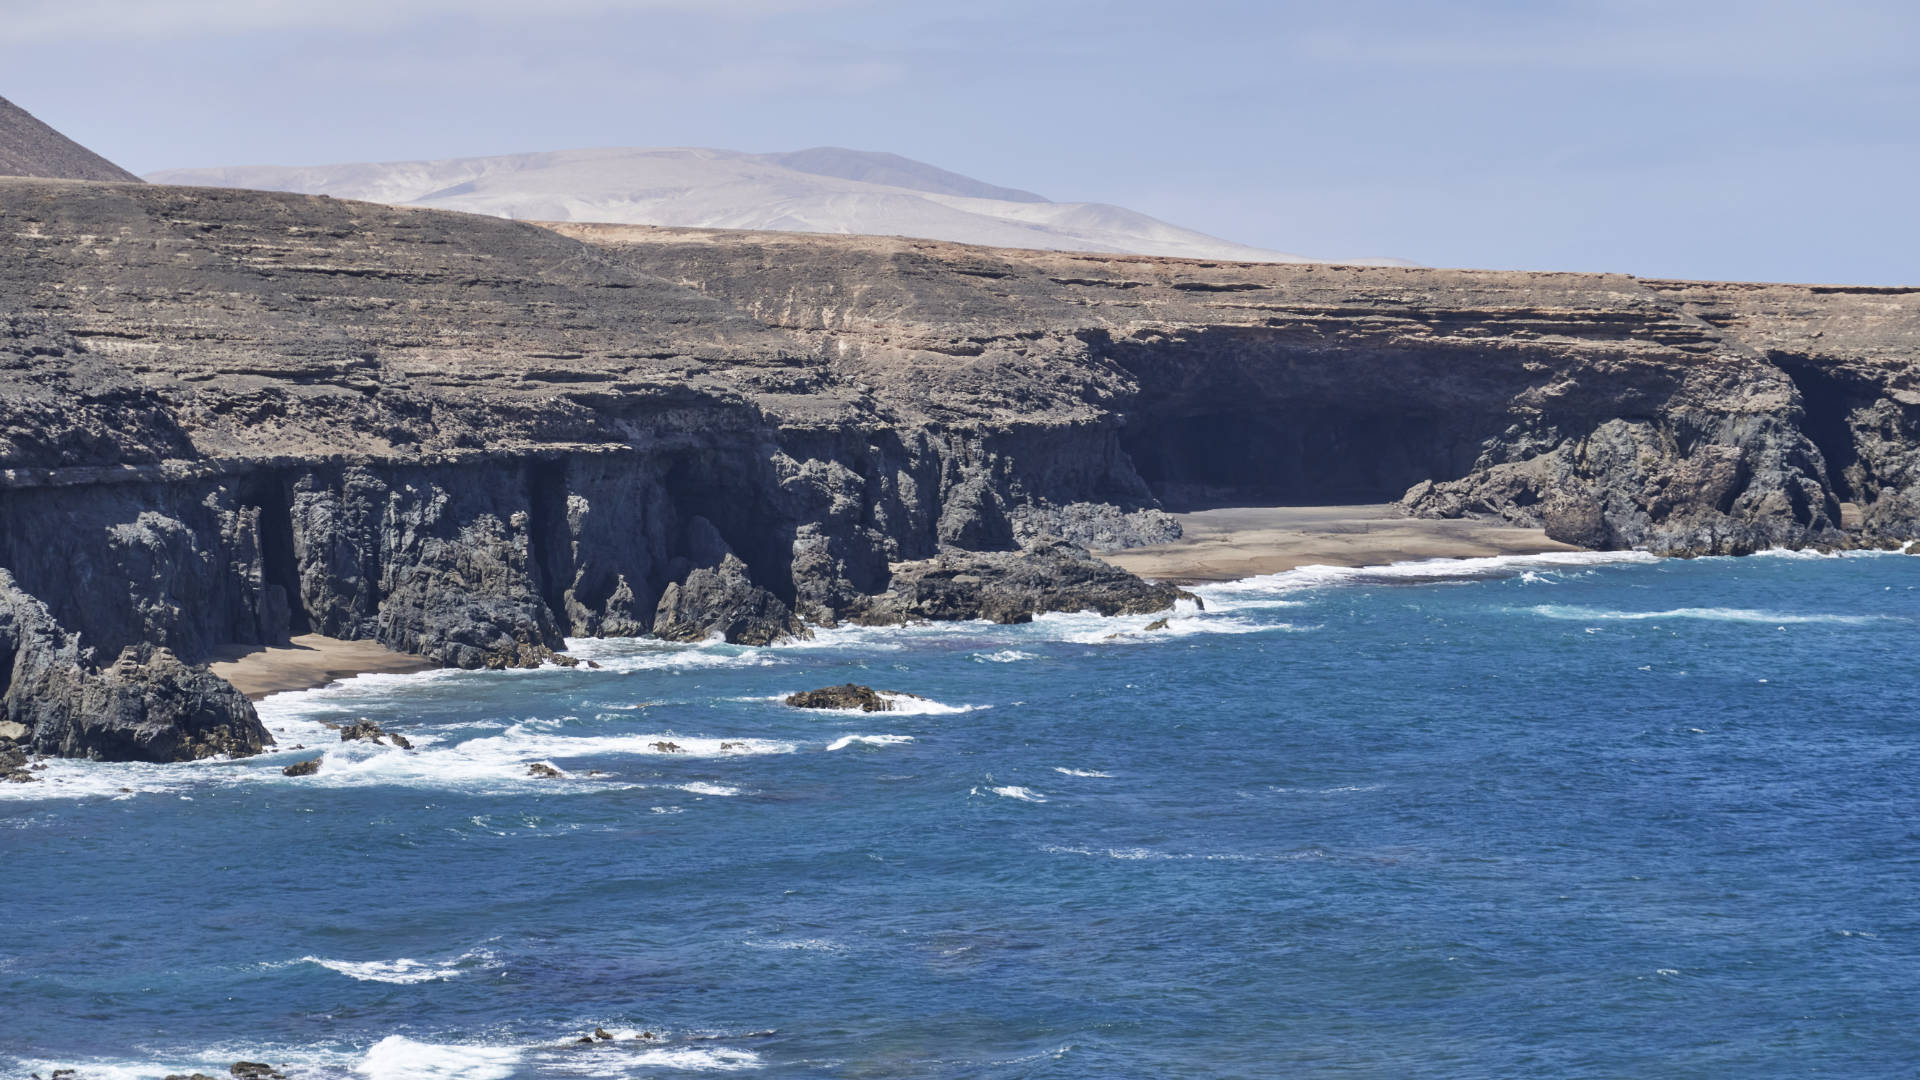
x=721 y=487
x=547 y=533
x=1829 y=401
x=279 y=566
x=1301 y=455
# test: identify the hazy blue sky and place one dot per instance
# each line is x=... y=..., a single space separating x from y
x=1700 y=138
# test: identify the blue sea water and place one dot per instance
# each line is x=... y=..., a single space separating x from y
x=1558 y=816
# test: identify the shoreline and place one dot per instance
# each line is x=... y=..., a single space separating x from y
x=1220 y=545
x=309 y=662
x=1232 y=543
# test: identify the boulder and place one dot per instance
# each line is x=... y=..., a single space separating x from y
x=302 y=768
x=844 y=696
x=544 y=771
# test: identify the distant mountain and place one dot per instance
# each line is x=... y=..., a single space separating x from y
x=827 y=190
x=31 y=148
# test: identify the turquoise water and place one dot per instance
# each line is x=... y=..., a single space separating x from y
x=1513 y=817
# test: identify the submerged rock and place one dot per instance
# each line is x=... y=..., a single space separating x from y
x=302 y=768
x=372 y=732
x=544 y=771
x=845 y=696
x=13 y=767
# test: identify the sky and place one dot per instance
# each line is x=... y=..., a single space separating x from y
x=1722 y=139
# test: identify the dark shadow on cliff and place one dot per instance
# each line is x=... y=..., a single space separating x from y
x=1830 y=399
x=282 y=615
x=1245 y=416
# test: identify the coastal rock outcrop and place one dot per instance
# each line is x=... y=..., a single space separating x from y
x=374 y=733
x=471 y=439
x=847 y=696
x=723 y=602
x=146 y=705
x=1012 y=587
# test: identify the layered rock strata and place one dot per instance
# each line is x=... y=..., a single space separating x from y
x=228 y=416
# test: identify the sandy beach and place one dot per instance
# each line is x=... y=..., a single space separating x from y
x=1238 y=542
x=310 y=660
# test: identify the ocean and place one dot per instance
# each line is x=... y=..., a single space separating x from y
x=1565 y=815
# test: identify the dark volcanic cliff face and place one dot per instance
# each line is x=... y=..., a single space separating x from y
x=230 y=416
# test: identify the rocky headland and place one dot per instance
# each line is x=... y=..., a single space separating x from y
x=231 y=417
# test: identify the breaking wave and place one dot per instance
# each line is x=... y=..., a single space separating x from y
x=1708 y=614
x=1269 y=590
x=1015 y=791
x=845 y=741
x=406 y=971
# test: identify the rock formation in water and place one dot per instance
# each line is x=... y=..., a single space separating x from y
x=229 y=416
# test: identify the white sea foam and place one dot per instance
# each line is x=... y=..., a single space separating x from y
x=845 y=741
x=405 y=970
x=397 y=1057
x=496 y=761
x=1140 y=854
x=701 y=787
x=1004 y=656
x=691 y=1058
x=1345 y=789
x=910 y=705
x=1809 y=553
x=97 y=1069
x=1015 y=791
x=1264 y=589
x=622 y=655
x=1089 y=629
x=1710 y=614
x=796 y=944
x=1082 y=772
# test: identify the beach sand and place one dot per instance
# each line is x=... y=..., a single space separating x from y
x=309 y=661
x=1238 y=542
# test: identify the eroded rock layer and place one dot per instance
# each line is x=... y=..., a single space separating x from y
x=230 y=416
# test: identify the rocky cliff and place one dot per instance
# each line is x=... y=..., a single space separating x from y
x=228 y=416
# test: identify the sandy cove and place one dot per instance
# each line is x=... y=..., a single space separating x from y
x=1241 y=542
x=308 y=661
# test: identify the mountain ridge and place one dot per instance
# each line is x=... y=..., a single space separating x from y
x=822 y=190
